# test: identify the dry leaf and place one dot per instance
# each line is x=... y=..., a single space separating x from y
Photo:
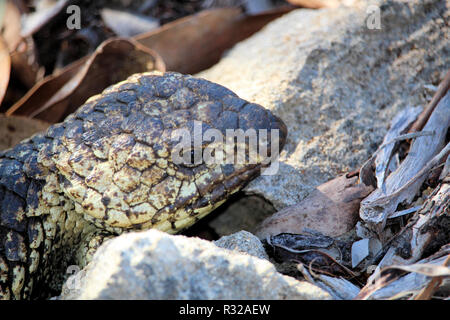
x=5 y=69
x=315 y=4
x=113 y=61
x=332 y=209
x=45 y=89
x=196 y=42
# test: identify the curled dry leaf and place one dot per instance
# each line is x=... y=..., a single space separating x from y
x=194 y=43
x=45 y=89
x=22 y=49
x=15 y=129
x=331 y=209
x=11 y=30
x=113 y=61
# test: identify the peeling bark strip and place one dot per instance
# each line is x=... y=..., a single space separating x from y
x=403 y=184
x=429 y=227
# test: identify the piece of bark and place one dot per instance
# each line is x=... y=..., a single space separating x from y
x=393 y=283
x=426 y=113
x=427 y=228
x=381 y=159
x=331 y=209
x=403 y=184
x=399 y=124
x=339 y=288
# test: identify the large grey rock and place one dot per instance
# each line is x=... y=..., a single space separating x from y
x=336 y=83
x=155 y=265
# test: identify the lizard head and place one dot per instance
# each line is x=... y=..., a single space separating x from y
x=163 y=150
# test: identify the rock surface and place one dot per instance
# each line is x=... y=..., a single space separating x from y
x=336 y=83
x=155 y=265
x=243 y=242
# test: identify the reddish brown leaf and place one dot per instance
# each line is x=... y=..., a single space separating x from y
x=45 y=89
x=5 y=68
x=331 y=209
x=113 y=61
x=23 y=54
x=11 y=30
x=194 y=43
x=315 y=4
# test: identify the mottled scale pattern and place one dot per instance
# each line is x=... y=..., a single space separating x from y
x=108 y=169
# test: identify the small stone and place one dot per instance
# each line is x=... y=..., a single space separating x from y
x=243 y=242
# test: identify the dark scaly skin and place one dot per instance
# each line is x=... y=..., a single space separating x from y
x=107 y=169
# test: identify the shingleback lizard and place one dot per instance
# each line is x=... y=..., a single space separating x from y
x=107 y=169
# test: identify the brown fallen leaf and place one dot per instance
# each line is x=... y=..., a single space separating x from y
x=315 y=4
x=331 y=209
x=113 y=61
x=15 y=129
x=45 y=89
x=5 y=68
x=11 y=30
x=24 y=64
x=196 y=42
